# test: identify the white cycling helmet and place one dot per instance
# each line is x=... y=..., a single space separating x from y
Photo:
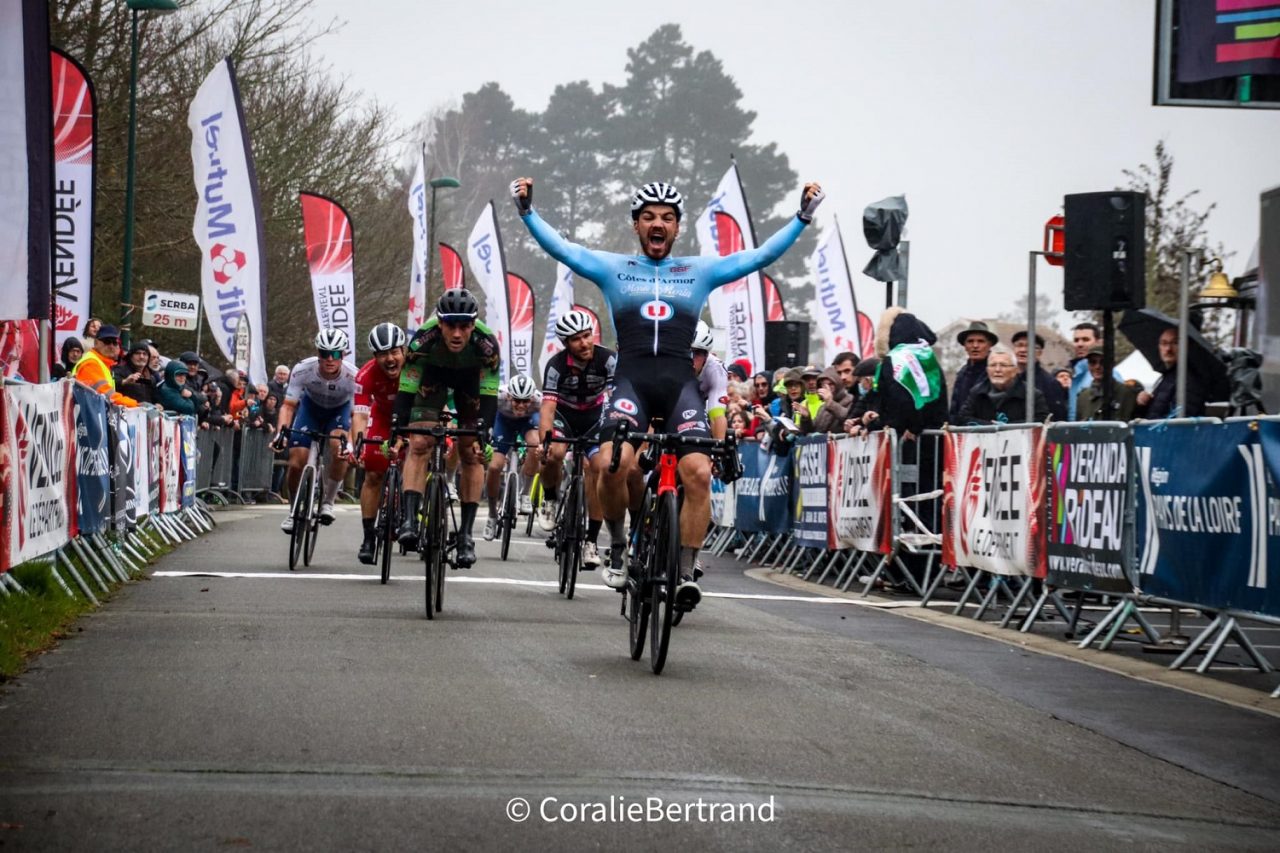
x=573 y=323
x=521 y=387
x=702 y=338
x=332 y=340
x=386 y=336
x=657 y=192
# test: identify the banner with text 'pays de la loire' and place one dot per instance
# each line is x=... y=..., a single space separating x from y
x=228 y=222
x=330 y=240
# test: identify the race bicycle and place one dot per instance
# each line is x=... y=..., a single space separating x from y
x=390 y=502
x=308 y=497
x=571 y=515
x=437 y=544
x=653 y=559
x=509 y=500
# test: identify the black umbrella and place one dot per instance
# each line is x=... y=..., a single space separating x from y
x=1144 y=327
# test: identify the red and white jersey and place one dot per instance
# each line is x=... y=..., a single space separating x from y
x=375 y=390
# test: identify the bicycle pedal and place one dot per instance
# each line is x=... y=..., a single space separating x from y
x=550 y=543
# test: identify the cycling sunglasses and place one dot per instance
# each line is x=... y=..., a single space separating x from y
x=335 y=354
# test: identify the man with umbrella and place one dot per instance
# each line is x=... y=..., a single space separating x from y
x=1155 y=335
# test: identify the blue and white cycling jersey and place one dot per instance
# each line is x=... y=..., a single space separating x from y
x=655 y=304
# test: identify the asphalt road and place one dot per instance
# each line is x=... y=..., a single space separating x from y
x=319 y=710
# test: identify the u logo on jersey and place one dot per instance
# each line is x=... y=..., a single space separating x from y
x=627 y=407
x=656 y=310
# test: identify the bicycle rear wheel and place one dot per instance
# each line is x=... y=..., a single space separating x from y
x=564 y=543
x=301 y=520
x=510 y=485
x=666 y=575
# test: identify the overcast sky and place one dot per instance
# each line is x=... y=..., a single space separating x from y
x=983 y=112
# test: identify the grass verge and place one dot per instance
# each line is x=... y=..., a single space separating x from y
x=34 y=622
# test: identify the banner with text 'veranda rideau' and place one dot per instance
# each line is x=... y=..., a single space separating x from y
x=228 y=223
x=489 y=267
x=327 y=232
x=523 y=307
x=74 y=131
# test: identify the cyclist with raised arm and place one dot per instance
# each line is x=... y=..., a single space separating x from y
x=517 y=416
x=377 y=384
x=655 y=301
x=318 y=398
x=574 y=386
x=454 y=351
x=713 y=380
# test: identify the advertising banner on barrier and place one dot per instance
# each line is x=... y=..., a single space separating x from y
x=747 y=494
x=188 y=426
x=809 y=491
x=93 y=461
x=170 y=465
x=138 y=436
x=38 y=454
x=993 y=501
x=859 y=492
x=123 y=497
x=1209 y=513
x=775 y=492
x=155 y=461
x=724 y=503
x=1088 y=542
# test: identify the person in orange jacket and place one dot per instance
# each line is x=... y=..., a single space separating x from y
x=94 y=367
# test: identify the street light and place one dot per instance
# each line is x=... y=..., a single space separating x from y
x=435 y=183
x=126 y=289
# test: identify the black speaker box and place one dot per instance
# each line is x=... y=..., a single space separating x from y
x=1106 y=251
x=786 y=344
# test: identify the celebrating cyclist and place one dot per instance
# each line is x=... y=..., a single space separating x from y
x=655 y=300
x=517 y=416
x=451 y=350
x=573 y=396
x=713 y=380
x=318 y=398
x=377 y=384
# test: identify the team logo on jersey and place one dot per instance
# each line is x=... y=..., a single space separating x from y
x=657 y=310
x=724 y=399
x=627 y=407
x=675 y=270
x=689 y=413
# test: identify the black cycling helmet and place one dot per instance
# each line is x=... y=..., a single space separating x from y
x=457 y=304
x=657 y=192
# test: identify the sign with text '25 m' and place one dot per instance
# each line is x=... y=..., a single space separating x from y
x=1091 y=489
x=169 y=310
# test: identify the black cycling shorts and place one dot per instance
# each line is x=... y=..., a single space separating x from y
x=661 y=386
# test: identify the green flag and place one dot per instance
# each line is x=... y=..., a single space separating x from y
x=915 y=368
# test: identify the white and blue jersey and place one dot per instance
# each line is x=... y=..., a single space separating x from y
x=323 y=404
x=655 y=304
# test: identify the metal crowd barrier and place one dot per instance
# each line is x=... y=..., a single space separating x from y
x=255 y=461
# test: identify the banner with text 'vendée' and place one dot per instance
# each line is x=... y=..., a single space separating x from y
x=1208 y=515
x=993 y=501
x=330 y=241
x=1090 y=499
x=859 y=492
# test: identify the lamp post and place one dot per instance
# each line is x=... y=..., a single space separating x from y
x=126 y=288
x=435 y=183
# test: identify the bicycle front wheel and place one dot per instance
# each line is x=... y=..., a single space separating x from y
x=666 y=575
x=535 y=501
x=301 y=518
x=440 y=532
x=638 y=600
x=389 y=520
x=574 y=517
x=313 y=526
x=508 y=518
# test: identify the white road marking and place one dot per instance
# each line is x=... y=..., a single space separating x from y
x=807 y=599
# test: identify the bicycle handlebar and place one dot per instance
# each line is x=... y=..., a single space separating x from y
x=315 y=435
x=442 y=432
x=671 y=441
